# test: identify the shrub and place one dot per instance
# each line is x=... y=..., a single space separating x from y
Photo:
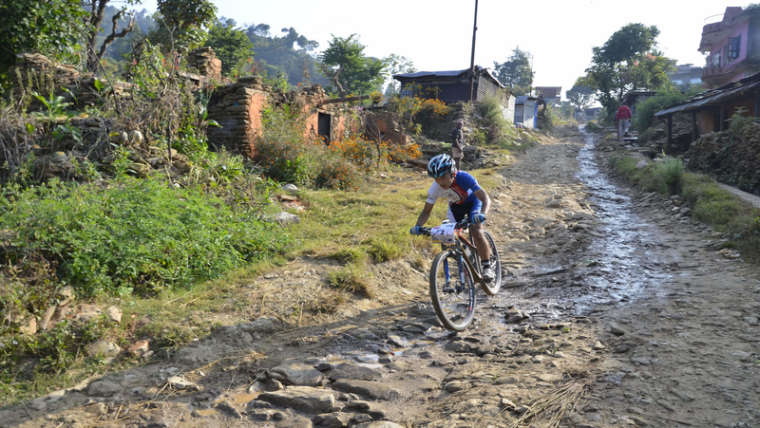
x=337 y=173
x=499 y=131
x=349 y=278
x=137 y=235
x=645 y=110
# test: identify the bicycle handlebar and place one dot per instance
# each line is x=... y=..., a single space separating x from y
x=461 y=224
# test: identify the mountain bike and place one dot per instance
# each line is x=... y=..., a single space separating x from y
x=456 y=270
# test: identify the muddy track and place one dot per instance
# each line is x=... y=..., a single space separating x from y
x=616 y=311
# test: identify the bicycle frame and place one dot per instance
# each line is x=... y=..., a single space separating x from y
x=461 y=242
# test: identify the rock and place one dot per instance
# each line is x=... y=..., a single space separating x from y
x=598 y=346
x=228 y=409
x=290 y=187
x=103 y=388
x=332 y=420
x=47 y=317
x=617 y=330
x=297 y=373
x=28 y=325
x=514 y=316
x=353 y=371
x=136 y=137
x=302 y=398
x=369 y=389
x=507 y=404
x=140 y=348
x=114 y=314
x=87 y=312
x=454 y=386
x=285 y=217
x=179 y=382
x=261 y=325
x=103 y=348
x=397 y=341
x=379 y=424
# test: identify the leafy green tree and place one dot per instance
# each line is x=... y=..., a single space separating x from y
x=230 y=44
x=397 y=64
x=52 y=27
x=350 y=71
x=628 y=60
x=516 y=73
x=581 y=95
x=184 y=23
x=289 y=56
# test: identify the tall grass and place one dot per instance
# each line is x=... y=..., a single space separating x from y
x=709 y=203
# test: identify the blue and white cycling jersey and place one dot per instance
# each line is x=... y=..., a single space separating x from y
x=461 y=195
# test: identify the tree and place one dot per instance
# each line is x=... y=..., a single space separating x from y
x=230 y=44
x=52 y=27
x=397 y=64
x=350 y=71
x=96 y=10
x=289 y=55
x=628 y=61
x=581 y=94
x=184 y=23
x=516 y=73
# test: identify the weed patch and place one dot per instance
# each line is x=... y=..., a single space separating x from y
x=352 y=279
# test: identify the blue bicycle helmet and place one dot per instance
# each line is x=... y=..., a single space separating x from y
x=439 y=165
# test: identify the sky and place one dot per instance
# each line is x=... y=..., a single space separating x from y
x=437 y=34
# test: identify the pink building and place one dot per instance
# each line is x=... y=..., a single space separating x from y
x=732 y=45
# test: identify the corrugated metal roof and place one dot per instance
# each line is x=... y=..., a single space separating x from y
x=448 y=73
x=522 y=98
x=713 y=96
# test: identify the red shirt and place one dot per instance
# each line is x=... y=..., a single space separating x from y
x=623 y=113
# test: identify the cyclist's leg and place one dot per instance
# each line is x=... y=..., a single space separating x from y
x=478 y=235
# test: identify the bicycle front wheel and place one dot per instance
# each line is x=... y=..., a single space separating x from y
x=452 y=290
x=491 y=288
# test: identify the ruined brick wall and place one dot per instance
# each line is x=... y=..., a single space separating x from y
x=204 y=60
x=237 y=108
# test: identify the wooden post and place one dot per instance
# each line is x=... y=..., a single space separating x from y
x=694 y=128
x=472 y=55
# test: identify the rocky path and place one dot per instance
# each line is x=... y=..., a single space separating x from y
x=617 y=310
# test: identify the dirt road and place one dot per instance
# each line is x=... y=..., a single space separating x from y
x=617 y=311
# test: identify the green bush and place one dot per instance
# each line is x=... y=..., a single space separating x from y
x=664 y=176
x=645 y=110
x=136 y=235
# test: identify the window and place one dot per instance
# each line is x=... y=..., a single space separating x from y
x=715 y=59
x=734 y=44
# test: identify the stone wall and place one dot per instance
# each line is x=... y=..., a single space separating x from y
x=238 y=108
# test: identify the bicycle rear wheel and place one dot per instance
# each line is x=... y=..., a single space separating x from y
x=491 y=288
x=452 y=290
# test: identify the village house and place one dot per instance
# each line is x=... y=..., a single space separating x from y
x=732 y=73
x=685 y=76
x=451 y=86
x=526 y=111
x=552 y=95
x=732 y=46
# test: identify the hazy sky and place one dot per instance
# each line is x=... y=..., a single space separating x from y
x=437 y=34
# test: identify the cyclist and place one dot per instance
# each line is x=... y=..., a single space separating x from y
x=465 y=196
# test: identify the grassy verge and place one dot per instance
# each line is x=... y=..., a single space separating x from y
x=709 y=203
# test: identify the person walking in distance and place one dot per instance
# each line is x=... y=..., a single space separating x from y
x=623 y=118
x=457 y=143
